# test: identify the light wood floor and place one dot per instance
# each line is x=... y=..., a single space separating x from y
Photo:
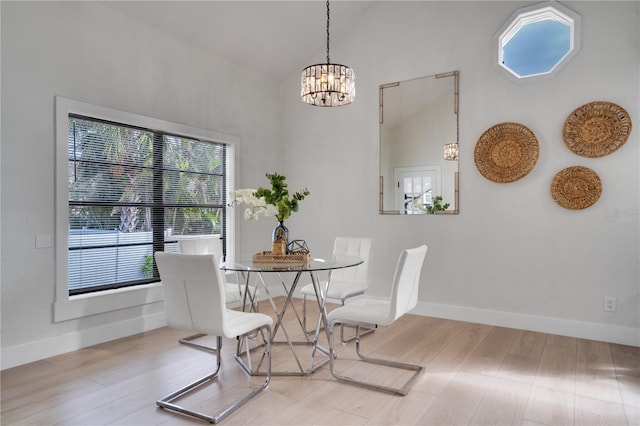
x=476 y=375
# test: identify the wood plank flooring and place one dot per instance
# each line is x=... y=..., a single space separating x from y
x=476 y=375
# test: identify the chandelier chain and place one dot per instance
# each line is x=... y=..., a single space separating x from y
x=328 y=60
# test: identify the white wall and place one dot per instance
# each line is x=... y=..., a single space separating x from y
x=512 y=257
x=87 y=52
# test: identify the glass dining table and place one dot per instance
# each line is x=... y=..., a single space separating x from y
x=289 y=275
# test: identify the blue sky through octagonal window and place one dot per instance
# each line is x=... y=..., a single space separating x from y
x=537 y=47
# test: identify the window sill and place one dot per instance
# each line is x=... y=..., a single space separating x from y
x=106 y=301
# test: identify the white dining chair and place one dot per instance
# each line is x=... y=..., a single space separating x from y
x=194 y=299
x=211 y=245
x=363 y=311
x=201 y=245
x=347 y=282
x=233 y=291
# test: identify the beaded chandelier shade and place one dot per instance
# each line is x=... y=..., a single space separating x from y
x=328 y=84
x=451 y=151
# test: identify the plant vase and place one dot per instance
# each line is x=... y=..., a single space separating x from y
x=280 y=240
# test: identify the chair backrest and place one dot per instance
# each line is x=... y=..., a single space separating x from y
x=204 y=245
x=406 y=281
x=356 y=247
x=194 y=297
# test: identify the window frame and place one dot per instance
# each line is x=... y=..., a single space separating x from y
x=535 y=13
x=68 y=307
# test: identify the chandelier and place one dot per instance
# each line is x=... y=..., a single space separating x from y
x=328 y=84
x=451 y=151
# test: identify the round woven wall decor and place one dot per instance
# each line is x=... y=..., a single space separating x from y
x=506 y=152
x=576 y=187
x=596 y=129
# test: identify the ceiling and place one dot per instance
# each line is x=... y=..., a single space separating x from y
x=277 y=38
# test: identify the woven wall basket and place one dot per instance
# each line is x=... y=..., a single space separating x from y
x=506 y=152
x=576 y=187
x=596 y=129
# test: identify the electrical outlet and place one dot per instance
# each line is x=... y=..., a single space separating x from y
x=609 y=304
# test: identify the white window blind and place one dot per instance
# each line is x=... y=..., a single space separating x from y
x=134 y=191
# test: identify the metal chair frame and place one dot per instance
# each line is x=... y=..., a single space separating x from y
x=195 y=300
x=419 y=370
x=367 y=311
x=167 y=401
x=365 y=330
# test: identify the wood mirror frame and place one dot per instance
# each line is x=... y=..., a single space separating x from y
x=417 y=118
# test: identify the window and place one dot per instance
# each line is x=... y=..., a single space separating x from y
x=131 y=191
x=537 y=41
x=132 y=185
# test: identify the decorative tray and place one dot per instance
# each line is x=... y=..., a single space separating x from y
x=293 y=258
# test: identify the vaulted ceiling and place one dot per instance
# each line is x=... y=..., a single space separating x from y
x=277 y=38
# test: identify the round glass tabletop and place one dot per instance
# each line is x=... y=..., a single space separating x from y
x=315 y=264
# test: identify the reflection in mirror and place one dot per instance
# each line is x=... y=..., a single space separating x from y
x=418 y=118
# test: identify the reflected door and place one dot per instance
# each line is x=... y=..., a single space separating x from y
x=415 y=188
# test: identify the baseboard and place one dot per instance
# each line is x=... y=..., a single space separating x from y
x=584 y=330
x=25 y=353
x=14 y=356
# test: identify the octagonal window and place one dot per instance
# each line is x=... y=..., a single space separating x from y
x=538 y=40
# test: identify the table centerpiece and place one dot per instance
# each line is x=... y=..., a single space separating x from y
x=276 y=202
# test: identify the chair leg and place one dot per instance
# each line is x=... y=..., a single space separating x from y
x=189 y=342
x=419 y=370
x=167 y=401
x=365 y=330
x=247 y=365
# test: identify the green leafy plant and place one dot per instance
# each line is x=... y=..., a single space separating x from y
x=436 y=205
x=147 y=266
x=275 y=202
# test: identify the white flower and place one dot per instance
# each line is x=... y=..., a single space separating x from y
x=258 y=207
x=270 y=210
x=248 y=214
x=279 y=205
x=416 y=204
x=244 y=196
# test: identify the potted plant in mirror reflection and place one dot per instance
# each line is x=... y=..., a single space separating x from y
x=276 y=202
x=436 y=205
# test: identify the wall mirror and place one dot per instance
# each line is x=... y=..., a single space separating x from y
x=418 y=117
